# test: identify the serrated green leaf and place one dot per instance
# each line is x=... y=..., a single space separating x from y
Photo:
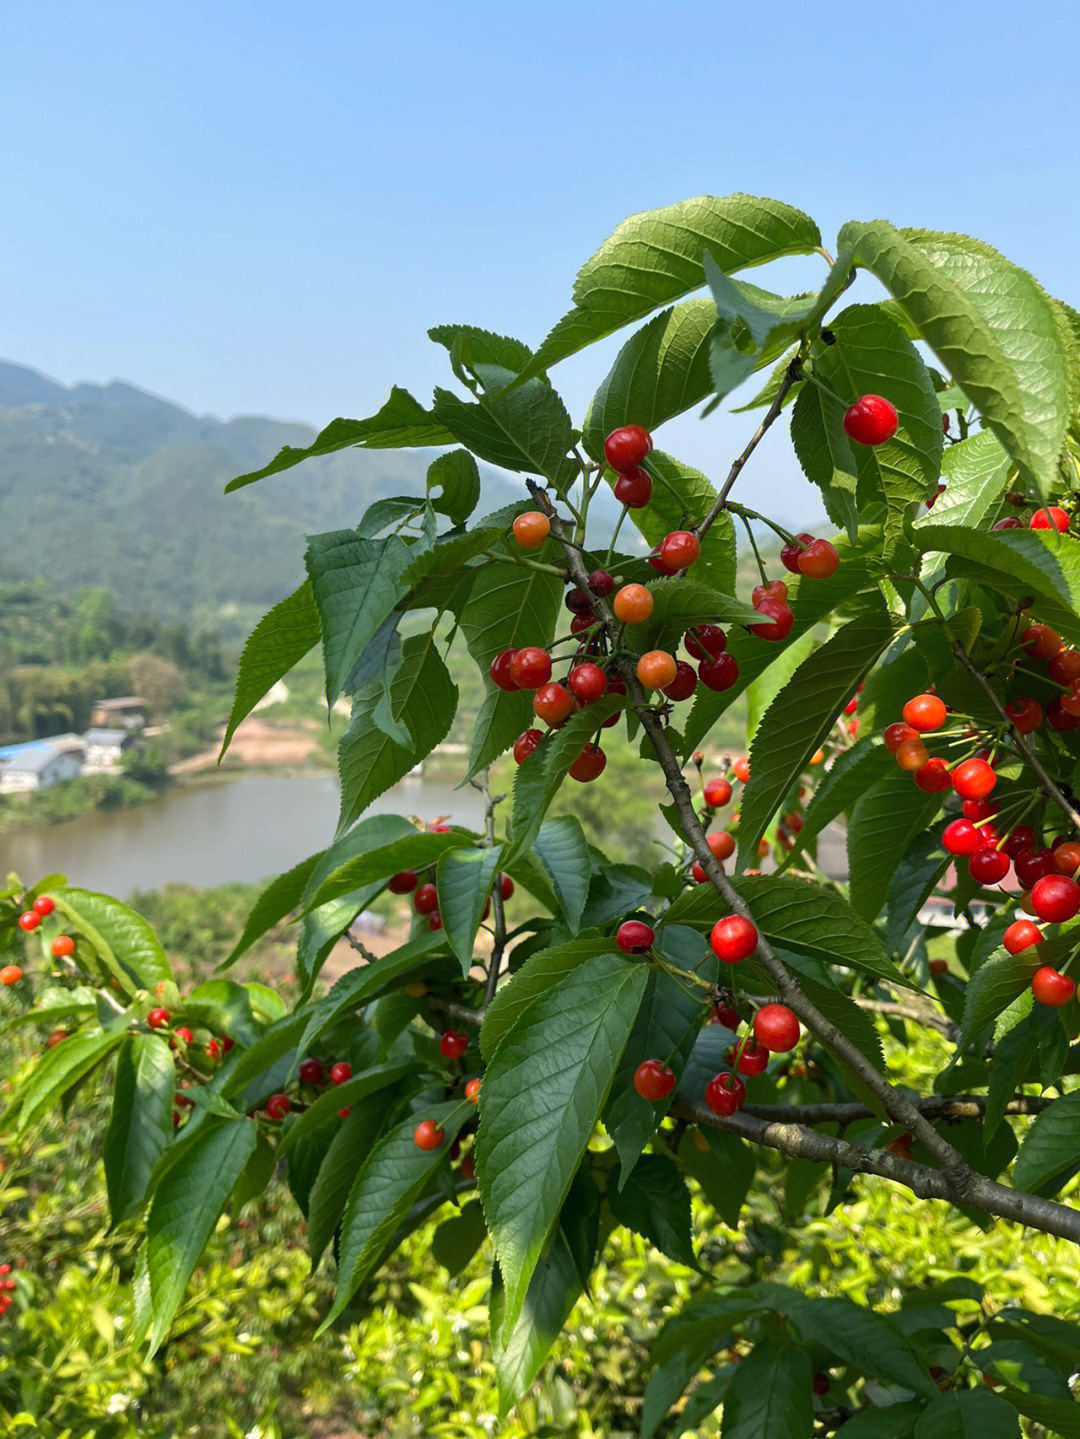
x=770 y=1395
x=457 y=479
x=341 y=1096
x=140 y=1123
x=562 y=852
x=349 y=1148
x=994 y=986
x=279 y=641
x=457 y=1239
x=654 y=1202
x=414 y=850
x=975 y=472
x=1051 y=1145
x=464 y=883
x=280 y=897
x=55 y=1073
x=681 y=496
x=894 y=1421
x=967 y=1414
x=882 y=824
x=868 y=1340
x=918 y=873
x=536 y=976
x=125 y=944
x=526 y=429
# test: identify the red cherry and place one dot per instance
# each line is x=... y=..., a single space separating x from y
x=1033 y=865
x=741 y=768
x=733 y=939
x=684 y=684
x=1064 y=667
x=961 y=837
x=1026 y=714
x=428 y=1134
x=780 y=617
x=530 y=668
x=728 y=1017
x=750 y=1059
x=819 y=560
x=717 y=793
x=658 y=562
x=10 y=974
x=772 y=590
x=973 y=779
x=1055 y=898
x=776 y=1027
x=977 y=809
x=925 y=713
x=1069 y=701
x=988 y=866
x=589 y=764
x=1041 y=519
x=705 y=642
x=184 y=1033
x=1040 y=641
x=1066 y=857
x=340 y=1072
x=1010 y=522
x=44 y=905
x=426 y=899
x=472 y=1091
x=577 y=601
x=1059 y=718
x=506 y=886
x=719 y=674
x=933 y=777
x=157 y=1018
x=653 y=1080
x=895 y=735
x=601 y=583
x=278 y=1106
x=311 y=1071
x=553 y=704
x=62 y=946
x=56 y=1037
x=721 y=844
x=634 y=937
x=633 y=489
x=587 y=682
x=29 y=921
x=526 y=743
x=871 y=420
x=453 y=1044
x=434 y=921
x=499 y=670
x=792 y=553
x=626 y=447
x=1020 y=839
x=226 y=1043
x=912 y=755
x=820 y=1382
x=1051 y=988
x=725 y=1093
x=402 y=883
x=582 y=622
x=1020 y=935
x=680 y=549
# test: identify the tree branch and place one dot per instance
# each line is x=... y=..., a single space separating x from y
x=943 y=1106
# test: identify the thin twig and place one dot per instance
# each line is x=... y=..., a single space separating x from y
x=941 y=1106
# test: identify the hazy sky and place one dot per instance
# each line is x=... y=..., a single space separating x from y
x=263 y=207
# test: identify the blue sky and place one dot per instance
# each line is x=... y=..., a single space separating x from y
x=261 y=208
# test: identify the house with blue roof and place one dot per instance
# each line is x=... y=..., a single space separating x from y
x=37 y=764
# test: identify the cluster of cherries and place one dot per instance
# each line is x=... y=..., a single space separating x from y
x=7 y=1285
x=1049 y=517
x=1044 y=872
x=62 y=946
x=426 y=895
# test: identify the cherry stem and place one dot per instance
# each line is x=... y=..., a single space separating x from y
x=753 y=546
x=615 y=536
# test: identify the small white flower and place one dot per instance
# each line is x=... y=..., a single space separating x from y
x=118 y=1403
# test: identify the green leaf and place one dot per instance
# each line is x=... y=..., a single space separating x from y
x=125 y=944
x=1051 y=1145
x=185 y=1209
x=562 y=852
x=341 y=1096
x=257 y=1174
x=457 y=1239
x=424 y=697
x=991 y=326
x=770 y=1395
x=681 y=496
x=414 y=850
x=894 y=1421
x=140 y=1125
x=868 y=1340
x=55 y=1073
x=464 y=884
x=474 y=352
x=975 y=472
x=279 y=641
x=654 y=1202
x=526 y=429
x=247 y=1076
x=918 y=873
x=1014 y=1044
x=391 y=1180
x=994 y=986
x=680 y=603
x=967 y=1414
x=401 y=424
x=537 y=1118
x=800 y=718
x=846 y=780
x=456 y=477
x=349 y=1149
x=656 y=257
x=881 y=826
x=280 y=897
x=536 y=976
x=661 y=371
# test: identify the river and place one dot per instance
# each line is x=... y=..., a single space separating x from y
x=244 y=828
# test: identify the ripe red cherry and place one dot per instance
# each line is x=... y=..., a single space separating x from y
x=741 y=768
x=1064 y=667
x=601 y=583
x=933 y=777
x=1051 y=988
x=1031 y=865
x=626 y=447
x=819 y=560
x=453 y=1044
x=658 y=562
x=634 y=937
x=499 y=670
x=1026 y=714
x=684 y=684
x=526 y=743
x=278 y=1106
x=973 y=779
x=530 y=668
x=792 y=553
x=728 y=1017
x=820 y=1382
x=531 y=529
x=506 y=886
x=402 y=883
x=1020 y=839
x=158 y=1018
x=340 y=1072
x=961 y=837
x=653 y=1080
x=553 y=704
x=434 y=921
x=1020 y=935
x=780 y=618
x=44 y=905
x=1040 y=641
x=426 y=899
x=776 y=1027
x=988 y=866
x=977 y=809
x=1070 y=700
x=587 y=682
x=1041 y=520
x=1066 y=857
x=589 y=764
x=871 y=420
x=733 y=939
x=62 y=946
x=1059 y=718
x=680 y=549
x=56 y=1037
x=705 y=642
x=895 y=735
x=311 y=1071
x=10 y=974
x=183 y=1033
x=925 y=713
x=719 y=674
x=725 y=1093
x=582 y=622
x=29 y=921
x=577 y=601
x=472 y=1091
x=912 y=755
x=1010 y=522
x=722 y=845
x=633 y=489
x=717 y=793
x=213 y=1050
x=1055 y=898
x=752 y=1059
x=428 y=1134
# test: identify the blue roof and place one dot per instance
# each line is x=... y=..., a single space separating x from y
x=31 y=758
x=13 y=751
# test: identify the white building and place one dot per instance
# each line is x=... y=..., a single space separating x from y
x=37 y=765
x=105 y=748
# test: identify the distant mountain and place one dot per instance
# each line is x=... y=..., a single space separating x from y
x=108 y=485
